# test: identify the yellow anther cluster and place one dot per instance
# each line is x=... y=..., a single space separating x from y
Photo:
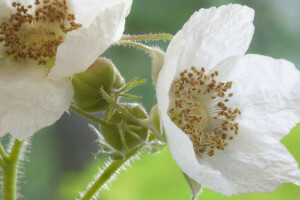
x=35 y=35
x=200 y=110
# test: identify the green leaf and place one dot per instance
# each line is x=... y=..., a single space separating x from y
x=157 y=146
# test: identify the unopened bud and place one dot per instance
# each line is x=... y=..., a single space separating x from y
x=102 y=73
x=129 y=134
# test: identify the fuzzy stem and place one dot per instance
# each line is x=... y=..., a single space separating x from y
x=135 y=44
x=108 y=173
x=159 y=36
x=9 y=171
x=91 y=117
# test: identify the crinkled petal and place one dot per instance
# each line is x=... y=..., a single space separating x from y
x=251 y=172
x=214 y=34
x=267 y=91
x=28 y=100
x=103 y=24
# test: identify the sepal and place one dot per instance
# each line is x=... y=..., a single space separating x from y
x=156 y=147
x=128 y=133
x=195 y=187
x=154 y=119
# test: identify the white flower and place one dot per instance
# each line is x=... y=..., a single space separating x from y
x=224 y=117
x=40 y=45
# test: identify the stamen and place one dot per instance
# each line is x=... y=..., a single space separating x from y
x=36 y=34
x=199 y=109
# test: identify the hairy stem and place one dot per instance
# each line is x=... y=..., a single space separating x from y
x=135 y=44
x=9 y=171
x=159 y=36
x=108 y=173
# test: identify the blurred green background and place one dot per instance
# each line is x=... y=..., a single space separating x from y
x=61 y=158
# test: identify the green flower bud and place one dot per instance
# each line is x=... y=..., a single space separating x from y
x=102 y=73
x=129 y=134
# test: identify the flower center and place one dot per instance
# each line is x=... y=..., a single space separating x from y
x=198 y=108
x=35 y=35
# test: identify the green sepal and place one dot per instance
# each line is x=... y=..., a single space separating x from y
x=102 y=73
x=105 y=148
x=156 y=147
x=195 y=187
x=130 y=134
x=155 y=120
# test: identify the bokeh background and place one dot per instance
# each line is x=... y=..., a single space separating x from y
x=61 y=159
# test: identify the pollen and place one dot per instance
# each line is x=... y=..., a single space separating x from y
x=199 y=108
x=36 y=33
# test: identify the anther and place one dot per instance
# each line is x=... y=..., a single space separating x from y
x=192 y=115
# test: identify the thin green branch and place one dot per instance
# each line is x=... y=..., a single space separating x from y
x=93 y=118
x=135 y=44
x=159 y=36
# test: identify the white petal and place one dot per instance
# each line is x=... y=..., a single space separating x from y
x=179 y=143
x=28 y=100
x=211 y=35
x=252 y=172
x=103 y=24
x=184 y=155
x=5 y=10
x=233 y=172
x=267 y=91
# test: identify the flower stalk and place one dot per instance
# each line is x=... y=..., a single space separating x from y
x=91 y=117
x=10 y=170
x=110 y=171
x=159 y=36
